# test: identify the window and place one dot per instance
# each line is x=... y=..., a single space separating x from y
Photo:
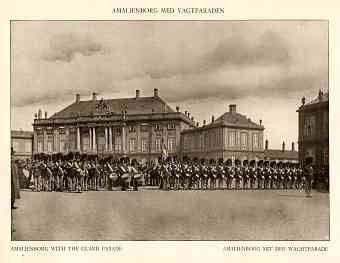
x=171 y=126
x=118 y=143
x=255 y=140
x=62 y=143
x=144 y=145
x=171 y=144
x=132 y=129
x=157 y=127
x=132 y=145
x=28 y=146
x=232 y=139
x=158 y=144
x=244 y=139
x=49 y=143
x=309 y=126
x=144 y=128
x=40 y=146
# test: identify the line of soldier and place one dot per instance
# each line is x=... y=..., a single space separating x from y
x=83 y=175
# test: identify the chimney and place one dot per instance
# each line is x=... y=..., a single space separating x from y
x=177 y=108
x=232 y=108
x=77 y=98
x=155 y=92
x=197 y=124
x=204 y=122
x=260 y=122
x=94 y=96
x=45 y=114
x=189 y=115
x=283 y=146
x=266 y=145
x=39 y=114
x=320 y=94
x=293 y=147
x=303 y=100
x=35 y=115
x=192 y=118
x=186 y=113
x=137 y=93
x=212 y=118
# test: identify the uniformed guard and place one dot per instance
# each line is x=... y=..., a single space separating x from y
x=309 y=171
x=260 y=174
x=267 y=175
x=253 y=174
x=274 y=174
x=220 y=174
x=238 y=174
x=246 y=174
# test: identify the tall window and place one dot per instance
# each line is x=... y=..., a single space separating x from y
x=49 y=143
x=40 y=144
x=144 y=145
x=118 y=144
x=158 y=144
x=309 y=126
x=132 y=129
x=255 y=140
x=132 y=145
x=232 y=139
x=244 y=139
x=157 y=127
x=171 y=144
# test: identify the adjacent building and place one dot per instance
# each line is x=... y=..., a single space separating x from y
x=281 y=155
x=22 y=144
x=314 y=129
x=231 y=136
x=137 y=127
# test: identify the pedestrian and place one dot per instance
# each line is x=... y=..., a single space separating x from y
x=15 y=193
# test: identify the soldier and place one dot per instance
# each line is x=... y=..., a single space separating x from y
x=246 y=174
x=260 y=174
x=204 y=175
x=274 y=175
x=309 y=173
x=238 y=174
x=253 y=174
x=220 y=174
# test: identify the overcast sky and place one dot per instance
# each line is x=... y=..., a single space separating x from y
x=264 y=67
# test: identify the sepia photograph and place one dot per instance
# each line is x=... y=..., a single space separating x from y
x=166 y=130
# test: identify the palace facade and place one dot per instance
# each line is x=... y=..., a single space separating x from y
x=231 y=136
x=314 y=129
x=137 y=127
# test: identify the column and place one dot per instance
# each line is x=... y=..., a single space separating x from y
x=123 y=140
x=90 y=138
x=110 y=138
x=44 y=141
x=94 y=143
x=106 y=140
x=35 y=142
x=78 y=139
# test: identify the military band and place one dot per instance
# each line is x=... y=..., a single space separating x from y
x=78 y=175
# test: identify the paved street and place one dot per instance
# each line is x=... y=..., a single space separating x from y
x=171 y=215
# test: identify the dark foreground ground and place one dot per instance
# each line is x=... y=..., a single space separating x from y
x=171 y=215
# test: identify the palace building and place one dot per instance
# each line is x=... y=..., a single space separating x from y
x=231 y=136
x=137 y=127
x=314 y=129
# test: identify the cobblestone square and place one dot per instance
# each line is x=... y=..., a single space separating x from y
x=171 y=215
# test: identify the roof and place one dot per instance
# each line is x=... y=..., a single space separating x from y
x=21 y=134
x=141 y=105
x=322 y=97
x=279 y=154
x=237 y=119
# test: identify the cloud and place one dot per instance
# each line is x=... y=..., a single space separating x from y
x=64 y=47
x=235 y=51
